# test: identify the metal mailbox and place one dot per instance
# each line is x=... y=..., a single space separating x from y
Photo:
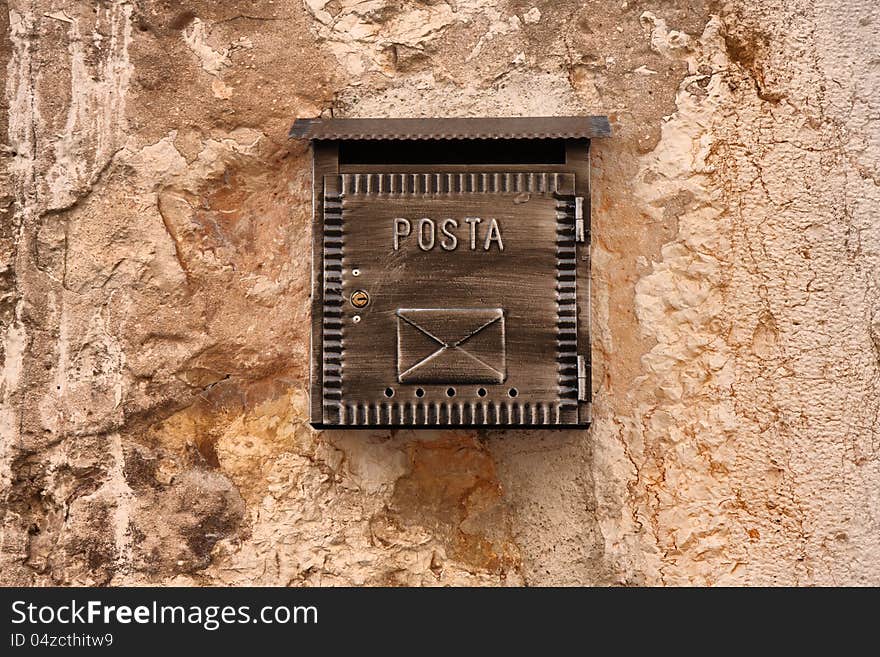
x=450 y=277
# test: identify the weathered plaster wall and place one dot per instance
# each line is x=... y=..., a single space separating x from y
x=153 y=296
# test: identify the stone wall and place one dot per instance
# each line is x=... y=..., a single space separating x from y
x=154 y=265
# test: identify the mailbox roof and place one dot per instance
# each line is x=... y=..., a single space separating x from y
x=544 y=127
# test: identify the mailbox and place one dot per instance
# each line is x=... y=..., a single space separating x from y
x=450 y=271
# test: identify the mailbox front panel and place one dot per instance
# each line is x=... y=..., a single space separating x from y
x=470 y=282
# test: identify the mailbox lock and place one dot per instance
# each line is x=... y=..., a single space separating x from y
x=359 y=299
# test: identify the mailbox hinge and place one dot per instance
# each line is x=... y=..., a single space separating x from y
x=579 y=229
x=582 y=378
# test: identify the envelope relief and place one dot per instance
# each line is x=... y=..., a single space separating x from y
x=451 y=345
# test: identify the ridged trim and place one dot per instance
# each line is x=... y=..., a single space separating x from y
x=545 y=127
x=371 y=184
x=566 y=306
x=332 y=311
x=452 y=413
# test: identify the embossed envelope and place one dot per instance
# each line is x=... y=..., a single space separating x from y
x=450 y=345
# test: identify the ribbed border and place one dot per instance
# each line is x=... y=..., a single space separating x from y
x=566 y=306
x=332 y=311
x=373 y=184
x=445 y=413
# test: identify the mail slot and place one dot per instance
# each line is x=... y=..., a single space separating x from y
x=450 y=271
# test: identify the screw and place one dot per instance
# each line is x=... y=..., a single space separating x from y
x=356 y=319
x=359 y=299
x=355 y=272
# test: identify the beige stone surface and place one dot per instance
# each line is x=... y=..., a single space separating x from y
x=154 y=312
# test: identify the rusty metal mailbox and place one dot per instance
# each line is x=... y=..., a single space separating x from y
x=450 y=278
